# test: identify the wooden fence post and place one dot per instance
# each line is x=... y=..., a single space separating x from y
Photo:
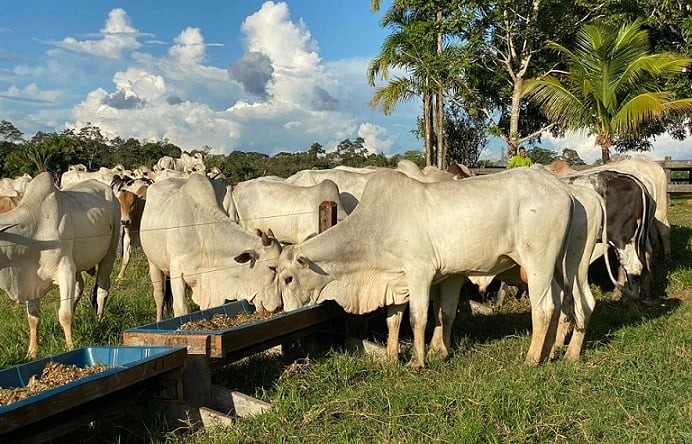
x=327 y=215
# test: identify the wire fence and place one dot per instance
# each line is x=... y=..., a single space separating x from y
x=56 y=242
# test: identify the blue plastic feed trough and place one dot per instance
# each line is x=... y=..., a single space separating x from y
x=126 y=367
x=238 y=341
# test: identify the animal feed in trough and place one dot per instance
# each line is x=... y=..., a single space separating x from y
x=59 y=385
x=205 y=332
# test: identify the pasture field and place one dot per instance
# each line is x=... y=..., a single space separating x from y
x=631 y=385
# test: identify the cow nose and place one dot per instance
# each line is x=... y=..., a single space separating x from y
x=260 y=308
x=125 y=223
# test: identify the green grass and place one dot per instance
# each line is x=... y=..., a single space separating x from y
x=631 y=385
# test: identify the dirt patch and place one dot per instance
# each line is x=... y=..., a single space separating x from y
x=53 y=375
x=222 y=322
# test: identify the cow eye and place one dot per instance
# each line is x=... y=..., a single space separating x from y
x=273 y=269
x=288 y=280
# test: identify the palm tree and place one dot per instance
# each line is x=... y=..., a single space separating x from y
x=416 y=47
x=611 y=86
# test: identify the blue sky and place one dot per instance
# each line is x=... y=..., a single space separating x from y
x=232 y=75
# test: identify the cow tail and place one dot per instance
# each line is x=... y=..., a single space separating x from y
x=606 y=246
x=168 y=296
x=94 y=296
x=567 y=303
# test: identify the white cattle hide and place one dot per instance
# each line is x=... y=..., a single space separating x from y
x=50 y=238
x=14 y=187
x=290 y=211
x=351 y=184
x=187 y=236
x=103 y=175
x=406 y=235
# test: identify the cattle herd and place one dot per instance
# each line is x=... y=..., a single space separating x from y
x=404 y=237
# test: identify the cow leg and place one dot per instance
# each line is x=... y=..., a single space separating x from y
x=157 y=282
x=178 y=290
x=67 y=284
x=127 y=248
x=394 y=315
x=544 y=295
x=583 y=308
x=33 y=309
x=78 y=290
x=663 y=228
x=445 y=308
x=419 y=301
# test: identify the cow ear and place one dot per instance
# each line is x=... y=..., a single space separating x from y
x=258 y=232
x=270 y=233
x=246 y=256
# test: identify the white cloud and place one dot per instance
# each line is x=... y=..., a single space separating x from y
x=589 y=152
x=189 y=48
x=116 y=36
x=180 y=98
x=30 y=93
x=376 y=139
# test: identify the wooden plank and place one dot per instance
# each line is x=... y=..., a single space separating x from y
x=196 y=344
x=676 y=164
x=679 y=188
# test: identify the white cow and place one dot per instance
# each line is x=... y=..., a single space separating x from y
x=103 y=175
x=50 y=238
x=350 y=183
x=428 y=174
x=406 y=235
x=290 y=211
x=187 y=236
x=588 y=221
x=14 y=187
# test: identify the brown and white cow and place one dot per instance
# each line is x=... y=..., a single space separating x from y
x=131 y=209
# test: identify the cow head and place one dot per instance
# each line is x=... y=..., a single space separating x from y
x=300 y=279
x=259 y=272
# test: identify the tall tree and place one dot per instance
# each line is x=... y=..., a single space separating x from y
x=612 y=84
x=418 y=46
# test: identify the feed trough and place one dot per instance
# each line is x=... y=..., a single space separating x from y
x=126 y=366
x=238 y=341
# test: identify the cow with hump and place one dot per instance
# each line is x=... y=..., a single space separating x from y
x=187 y=236
x=290 y=211
x=50 y=238
x=398 y=244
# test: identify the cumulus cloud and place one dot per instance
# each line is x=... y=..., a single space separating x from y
x=589 y=152
x=118 y=35
x=376 y=138
x=189 y=48
x=277 y=97
x=31 y=93
x=299 y=75
x=254 y=71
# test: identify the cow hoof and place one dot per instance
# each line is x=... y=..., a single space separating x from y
x=416 y=364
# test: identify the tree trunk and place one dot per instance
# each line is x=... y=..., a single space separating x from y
x=439 y=127
x=427 y=128
x=604 y=141
x=440 y=108
x=513 y=142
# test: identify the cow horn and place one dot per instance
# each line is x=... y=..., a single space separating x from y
x=265 y=240
x=7 y=227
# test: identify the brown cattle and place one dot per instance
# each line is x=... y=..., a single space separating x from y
x=131 y=208
x=8 y=203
